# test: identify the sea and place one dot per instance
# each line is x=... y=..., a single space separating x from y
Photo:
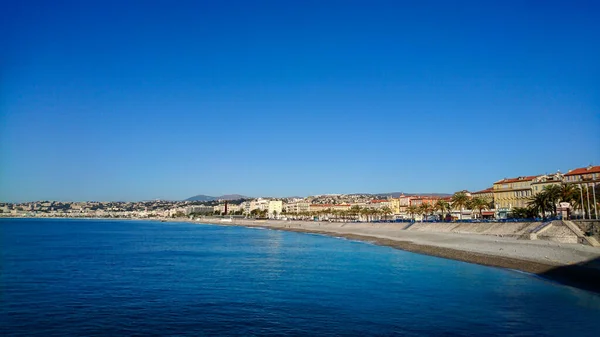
x=147 y=278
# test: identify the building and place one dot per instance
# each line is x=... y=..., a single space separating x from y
x=587 y=179
x=333 y=207
x=487 y=194
x=540 y=182
x=395 y=205
x=378 y=204
x=582 y=175
x=200 y=209
x=274 y=208
x=300 y=206
x=404 y=202
x=512 y=192
x=220 y=209
x=260 y=204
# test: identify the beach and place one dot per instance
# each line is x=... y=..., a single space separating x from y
x=570 y=263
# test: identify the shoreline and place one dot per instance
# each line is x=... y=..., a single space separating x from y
x=574 y=265
x=578 y=275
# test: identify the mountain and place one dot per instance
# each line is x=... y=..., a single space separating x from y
x=232 y=197
x=202 y=197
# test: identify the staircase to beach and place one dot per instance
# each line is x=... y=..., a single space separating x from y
x=582 y=238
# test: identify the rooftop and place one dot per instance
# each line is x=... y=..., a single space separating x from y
x=583 y=170
x=514 y=180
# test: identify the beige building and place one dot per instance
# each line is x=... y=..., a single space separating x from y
x=540 y=182
x=395 y=205
x=333 y=207
x=378 y=204
x=512 y=192
x=403 y=203
x=487 y=194
x=297 y=207
x=230 y=208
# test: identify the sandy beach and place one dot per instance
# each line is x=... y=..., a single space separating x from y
x=573 y=264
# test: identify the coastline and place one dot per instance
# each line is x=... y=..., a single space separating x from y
x=570 y=264
x=583 y=273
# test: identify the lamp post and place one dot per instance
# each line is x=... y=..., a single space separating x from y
x=587 y=191
x=595 y=203
x=582 y=206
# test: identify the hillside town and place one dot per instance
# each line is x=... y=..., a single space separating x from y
x=572 y=194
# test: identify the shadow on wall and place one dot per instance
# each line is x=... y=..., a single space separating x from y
x=584 y=275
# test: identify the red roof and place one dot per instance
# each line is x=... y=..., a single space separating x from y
x=487 y=190
x=584 y=170
x=514 y=180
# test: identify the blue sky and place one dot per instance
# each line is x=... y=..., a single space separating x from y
x=135 y=100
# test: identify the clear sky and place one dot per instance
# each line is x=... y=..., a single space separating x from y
x=136 y=100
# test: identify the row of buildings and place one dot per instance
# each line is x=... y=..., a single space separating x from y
x=503 y=196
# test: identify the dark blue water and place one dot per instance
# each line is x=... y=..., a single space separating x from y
x=91 y=277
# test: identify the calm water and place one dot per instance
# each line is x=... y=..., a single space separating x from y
x=92 y=277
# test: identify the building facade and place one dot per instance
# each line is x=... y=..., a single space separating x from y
x=512 y=192
x=540 y=182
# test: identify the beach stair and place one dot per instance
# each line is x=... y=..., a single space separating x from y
x=591 y=241
x=533 y=235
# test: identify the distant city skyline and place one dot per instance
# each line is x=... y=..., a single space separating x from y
x=161 y=100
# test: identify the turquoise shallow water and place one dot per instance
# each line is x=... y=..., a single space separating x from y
x=93 y=277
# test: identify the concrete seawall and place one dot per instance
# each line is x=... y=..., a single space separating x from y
x=508 y=229
x=556 y=231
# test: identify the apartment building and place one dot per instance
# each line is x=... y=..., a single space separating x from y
x=296 y=207
x=512 y=192
x=395 y=205
x=378 y=204
x=274 y=208
x=540 y=182
x=487 y=194
x=582 y=175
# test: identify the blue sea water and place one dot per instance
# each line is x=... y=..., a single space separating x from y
x=118 y=278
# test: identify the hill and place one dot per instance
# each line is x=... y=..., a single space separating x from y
x=202 y=197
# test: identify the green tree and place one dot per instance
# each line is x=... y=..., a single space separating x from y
x=385 y=211
x=443 y=207
x=479 y=204
x=553 y=195
x=522 y=213
x=412 y=210
x=459 y=201
x=539 y=204
x=425 y=209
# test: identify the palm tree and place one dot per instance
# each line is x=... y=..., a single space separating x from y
x=412 y=210
x=540 y=204
x=443 y=206
x=366 y=212
x=568 y=193
x=425 y=209
x=479 y=204
x=354 y=211
x=553 y=195
x=460 y=201
x=386 y=211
